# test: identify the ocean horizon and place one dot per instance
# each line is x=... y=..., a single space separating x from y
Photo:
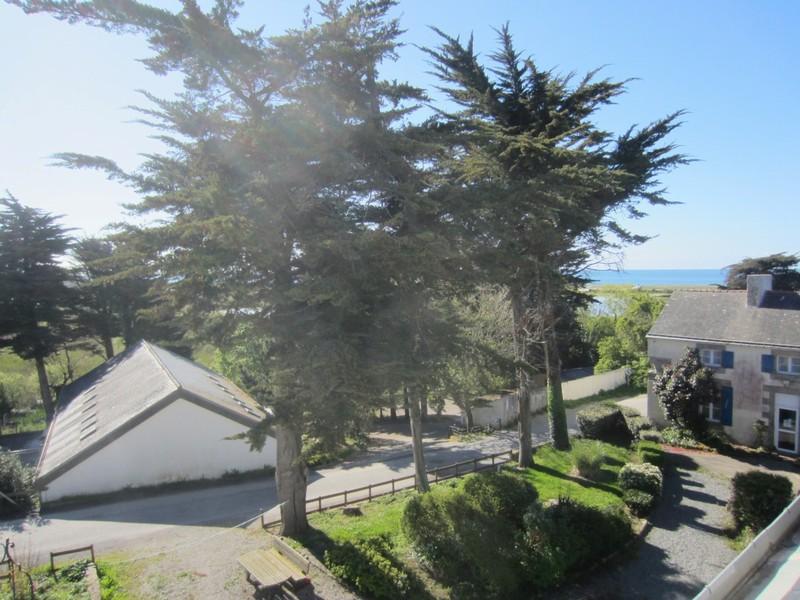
x=647 y=277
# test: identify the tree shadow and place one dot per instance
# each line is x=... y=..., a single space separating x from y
x=580 y=481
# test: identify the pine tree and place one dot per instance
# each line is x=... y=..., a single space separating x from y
x=536 y=185
x=34 y=296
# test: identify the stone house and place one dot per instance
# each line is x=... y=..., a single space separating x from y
x=750 y=339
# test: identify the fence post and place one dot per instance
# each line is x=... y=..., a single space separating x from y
x=392 y=487
x=369 y=493
x=474 y=464
x=345 y=497
x=319 y=503
x=456 y=469
x=492 y=459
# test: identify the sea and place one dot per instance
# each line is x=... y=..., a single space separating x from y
x=652 y=277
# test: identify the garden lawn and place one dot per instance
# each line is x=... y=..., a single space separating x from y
x=553 y=475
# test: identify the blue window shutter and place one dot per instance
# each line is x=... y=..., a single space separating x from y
x=767 y=363
x=727 y=405
x=727 y=359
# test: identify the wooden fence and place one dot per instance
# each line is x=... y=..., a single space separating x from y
x=392 y=486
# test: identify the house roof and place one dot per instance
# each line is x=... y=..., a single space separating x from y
x=126 y=390
x=724 y=316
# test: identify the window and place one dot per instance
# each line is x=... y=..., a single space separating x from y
x=712 y=411
x=711 y=358
x=788 y=365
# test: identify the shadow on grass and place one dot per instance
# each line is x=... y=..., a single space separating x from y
x=582 y=482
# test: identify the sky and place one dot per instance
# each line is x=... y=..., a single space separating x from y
x=731 y=65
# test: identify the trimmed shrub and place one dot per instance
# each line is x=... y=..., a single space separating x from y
x=588 y=458
x=640 y=503
x=604 y=423
x=650 y=435
x=501 y=495
x=650 y=452
x=638 y=425
x=16 y=481
x=643 y=477
x=370 y=568
x=758 y=498
x=566 y=537
x=682 y=438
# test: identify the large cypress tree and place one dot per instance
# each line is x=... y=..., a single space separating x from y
x=537 y=186
x=275 y=218
x=34 y=297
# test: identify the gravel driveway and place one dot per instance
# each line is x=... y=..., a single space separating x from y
x=683 y=551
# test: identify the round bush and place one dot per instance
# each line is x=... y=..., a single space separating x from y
x=640 y=503
x=643 y=477
x=16 y=482
x=567 y=536
x=500 y=494
x=758 y=498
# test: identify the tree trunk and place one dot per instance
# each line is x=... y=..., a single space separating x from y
x=44 y=389
x=556 y=413
x=108 y=346
x=424 y=404
x=416 y=441
x=468 y=415
x=291 y=475
x=523 y=389
x=393 y=413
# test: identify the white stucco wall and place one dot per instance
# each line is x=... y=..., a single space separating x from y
x=750 y=400
x=594 y=384
x=182 y=441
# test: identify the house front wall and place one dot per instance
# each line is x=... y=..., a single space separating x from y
x=181 y=442
x=753 y=390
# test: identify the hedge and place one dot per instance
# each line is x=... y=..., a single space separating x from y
x=604 y=423
x=758 y=498
x=643 y=477
x=370 y=568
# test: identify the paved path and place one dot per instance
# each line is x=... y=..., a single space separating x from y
x=686 y=547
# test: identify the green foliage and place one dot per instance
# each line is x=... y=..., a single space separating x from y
x=640 y=503
x=782 y=266
x=76 y=571
x=565 y=537
x=369 y=566
x=16 y=481
x=682 y=438
x=34 y=296
x=758 y=498
x=682 y=389
x=644 y=477
x=628 y=345
x=650 y=452
x=500 y=494
x=588 y=459
x=605 y=423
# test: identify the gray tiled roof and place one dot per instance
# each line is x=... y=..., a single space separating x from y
x=126 y=390
x=723 y=316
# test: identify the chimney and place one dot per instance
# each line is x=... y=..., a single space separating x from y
x=757 y=286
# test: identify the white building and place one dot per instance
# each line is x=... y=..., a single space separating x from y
x=147 y=417
x=750 y=339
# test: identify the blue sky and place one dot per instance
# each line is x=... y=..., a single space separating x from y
x=731 y=64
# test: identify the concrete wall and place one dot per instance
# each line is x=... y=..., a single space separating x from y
x=504 y=409
x=751 y=558
x=180 y=442
x=753 y=391
x=594 y=384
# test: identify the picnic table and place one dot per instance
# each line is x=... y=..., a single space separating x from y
x=276 y=570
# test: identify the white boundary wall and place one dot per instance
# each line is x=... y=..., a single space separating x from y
x=594 y=384
x=752 y=557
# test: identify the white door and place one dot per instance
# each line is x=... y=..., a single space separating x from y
x=787 y=411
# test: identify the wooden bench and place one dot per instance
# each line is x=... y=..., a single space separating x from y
x=275 y=570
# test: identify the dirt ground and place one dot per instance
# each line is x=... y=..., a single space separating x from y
x=202 y=564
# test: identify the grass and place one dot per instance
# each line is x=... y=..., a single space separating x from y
x=552 y=475
x=64 y=586
x=624 y=391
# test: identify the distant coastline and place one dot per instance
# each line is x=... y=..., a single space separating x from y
x=658 y=277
